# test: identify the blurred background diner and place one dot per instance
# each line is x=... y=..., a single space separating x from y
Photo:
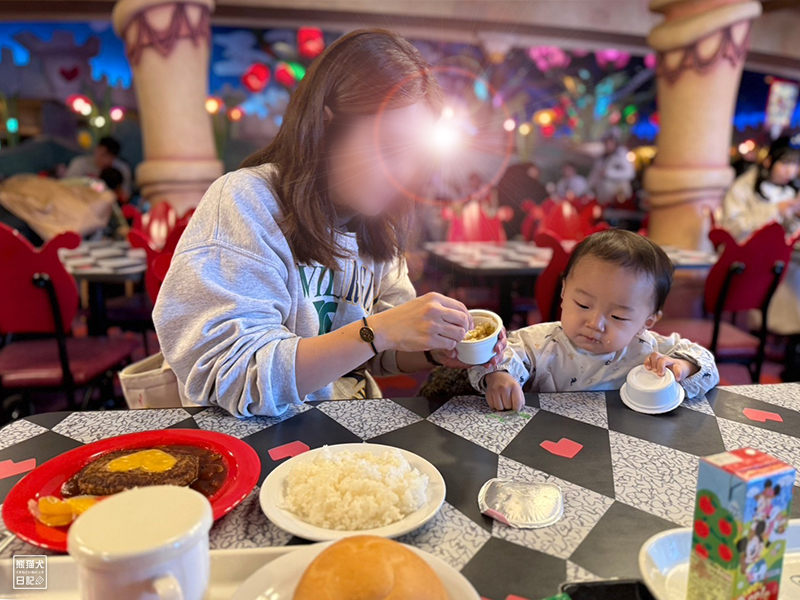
x=555 y=124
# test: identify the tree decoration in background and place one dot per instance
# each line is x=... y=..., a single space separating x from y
x=612 y=58
x=80 y=104
x=548 y=57
x=650 y=61
x=85 y=139
x=310 y=42
x=256 y=77
x=213 y=105
x=298 y=70
x=284 y=74
x=235 y=114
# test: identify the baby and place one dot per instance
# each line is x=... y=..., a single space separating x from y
x=615 y=285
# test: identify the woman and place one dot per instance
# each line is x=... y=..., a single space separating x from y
x=761 y=195
x=289 y=283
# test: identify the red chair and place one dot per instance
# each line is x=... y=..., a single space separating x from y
x=158 y=222
x=43 y=302
x=550 y=281
x=744 y=278
x=561 y=218
x=472 y=224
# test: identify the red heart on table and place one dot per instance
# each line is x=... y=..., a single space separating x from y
x=70 y=74
x=288 y=450
x=8 y=468
x=564 y=447
x=761 y=416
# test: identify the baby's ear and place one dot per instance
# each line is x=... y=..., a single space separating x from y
x=653 y=319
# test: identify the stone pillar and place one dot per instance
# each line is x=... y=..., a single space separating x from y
x=168 y=44
x=701 y=47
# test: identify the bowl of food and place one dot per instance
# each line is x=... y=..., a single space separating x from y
x=650 y=393
x=477 y=347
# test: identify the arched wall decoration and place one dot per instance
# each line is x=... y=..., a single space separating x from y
x=164 y=40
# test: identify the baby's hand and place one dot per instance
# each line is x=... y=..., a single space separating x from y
x=658 y=363
x=503 y=392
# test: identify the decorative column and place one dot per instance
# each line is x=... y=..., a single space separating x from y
x=701 y=47
x=168 y=44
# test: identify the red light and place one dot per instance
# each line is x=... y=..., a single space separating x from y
x=284 y=74
x=256 y=77
x=310 y=42
x=548 y=131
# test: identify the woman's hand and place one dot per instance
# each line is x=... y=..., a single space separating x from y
x=449 y=358
x=430 y=322
x=659 y=363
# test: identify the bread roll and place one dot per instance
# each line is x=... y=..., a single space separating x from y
x=369 y=568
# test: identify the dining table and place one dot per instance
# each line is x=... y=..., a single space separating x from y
x=625 y=476
x=507 y=263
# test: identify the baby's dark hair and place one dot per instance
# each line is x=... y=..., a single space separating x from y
x=632 y=251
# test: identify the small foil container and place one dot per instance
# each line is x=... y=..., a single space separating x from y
x=520 y=504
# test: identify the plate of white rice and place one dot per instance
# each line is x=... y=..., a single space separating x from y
x=366 y=489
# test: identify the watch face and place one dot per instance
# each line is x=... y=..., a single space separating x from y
x=367 y=334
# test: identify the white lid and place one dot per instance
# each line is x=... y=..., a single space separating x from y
x=140 y=526
x=648 y=381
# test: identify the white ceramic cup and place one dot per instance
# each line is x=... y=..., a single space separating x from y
x=478 y=352
x=648 y=392
x=148 y=543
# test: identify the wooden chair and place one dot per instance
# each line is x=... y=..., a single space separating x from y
x=40 y=308
x=744 y=277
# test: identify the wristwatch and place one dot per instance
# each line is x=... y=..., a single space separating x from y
x=431 y=360
x=368 y=334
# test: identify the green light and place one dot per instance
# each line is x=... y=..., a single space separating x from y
x=12 y=125
x=629 y=110
x=298 y=70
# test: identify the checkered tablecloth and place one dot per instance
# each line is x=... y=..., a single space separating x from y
x=104 y=258
x=523 y=258
x=634 y=476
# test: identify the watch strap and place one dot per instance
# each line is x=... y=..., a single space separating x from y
x=431 y=360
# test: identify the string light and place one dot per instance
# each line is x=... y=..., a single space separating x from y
x=525 y=129
x=235 y=114
x=12 y=125
x=509 y=125
x=213 y=105
x=116 y=114
x=99 y=121
x=631 y=156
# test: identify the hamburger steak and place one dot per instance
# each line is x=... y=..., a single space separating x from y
x=95 y=479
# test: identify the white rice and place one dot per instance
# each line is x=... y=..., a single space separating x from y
x=352 y=491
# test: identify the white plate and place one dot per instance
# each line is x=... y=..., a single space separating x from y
x=664 y=563
x=272 y=494
x=278 y=579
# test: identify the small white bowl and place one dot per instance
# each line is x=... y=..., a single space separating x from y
x=648 y=392
x=479 y=352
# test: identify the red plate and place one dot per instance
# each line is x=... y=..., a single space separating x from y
x=244 y=469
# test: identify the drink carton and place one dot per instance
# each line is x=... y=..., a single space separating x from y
x=740 y=520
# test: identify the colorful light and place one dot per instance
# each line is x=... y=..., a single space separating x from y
x=544 y=117
x=481 y=90
x=235 y=114
x=298 y=70
x=116 y=113
x=310 y=42
x=448 y=112
x=12 y=125
x=548 y=131
x=284 y=74
x=612 y=58
x=509 y=125
x=213 y=105
x=99 y=121
x=525 y=129
x=80 y=104
x=256 y=77
x=549 y=57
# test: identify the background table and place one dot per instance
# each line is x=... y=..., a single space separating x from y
x=101 y=263
x=635 y=475
x=513 y=260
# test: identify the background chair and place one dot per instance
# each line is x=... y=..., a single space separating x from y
x=38 y=351
x=550 y=281
x=744 y=278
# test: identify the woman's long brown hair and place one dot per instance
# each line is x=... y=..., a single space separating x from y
x=361 y=73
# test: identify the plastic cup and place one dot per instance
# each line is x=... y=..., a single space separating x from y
x=648 y=392
x=478 y=352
